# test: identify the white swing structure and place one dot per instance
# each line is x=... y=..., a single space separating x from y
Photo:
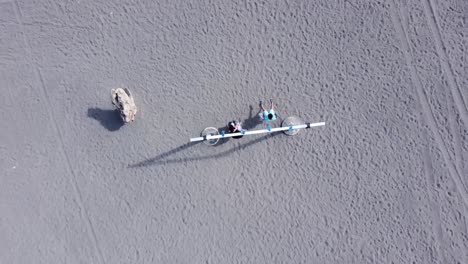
x=290 y=126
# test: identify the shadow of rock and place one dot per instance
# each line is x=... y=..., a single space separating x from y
x=110 y=119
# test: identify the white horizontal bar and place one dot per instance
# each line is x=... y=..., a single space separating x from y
x=254 y=132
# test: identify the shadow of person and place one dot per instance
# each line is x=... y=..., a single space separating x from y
x=226 y=139
x=222 y=140
x=110 y=119
x=251 y=121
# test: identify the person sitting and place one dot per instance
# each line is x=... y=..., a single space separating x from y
x=235 y=127
x=265 y=115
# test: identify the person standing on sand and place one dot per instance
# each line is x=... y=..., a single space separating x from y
x=267 y=116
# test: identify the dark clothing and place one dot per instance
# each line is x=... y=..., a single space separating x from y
x=232 y=129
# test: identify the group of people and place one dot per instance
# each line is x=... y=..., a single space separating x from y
x=264 y=115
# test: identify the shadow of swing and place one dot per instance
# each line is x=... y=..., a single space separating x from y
x=251 y=122
x=160 y=159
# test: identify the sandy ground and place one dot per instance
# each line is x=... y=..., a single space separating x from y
x=384 y=182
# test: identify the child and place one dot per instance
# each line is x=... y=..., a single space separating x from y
x=235 y=127
x=265 y=115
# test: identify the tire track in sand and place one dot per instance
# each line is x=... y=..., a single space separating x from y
x=435 y=210
x=457 y=143
x=429 y=10
x=456 y=96
x=69 y=168
x=427 y=112
x=445 y=63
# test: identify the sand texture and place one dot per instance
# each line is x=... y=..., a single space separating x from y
x=385 y=181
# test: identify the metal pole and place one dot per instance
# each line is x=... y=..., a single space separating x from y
x=254 y=132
